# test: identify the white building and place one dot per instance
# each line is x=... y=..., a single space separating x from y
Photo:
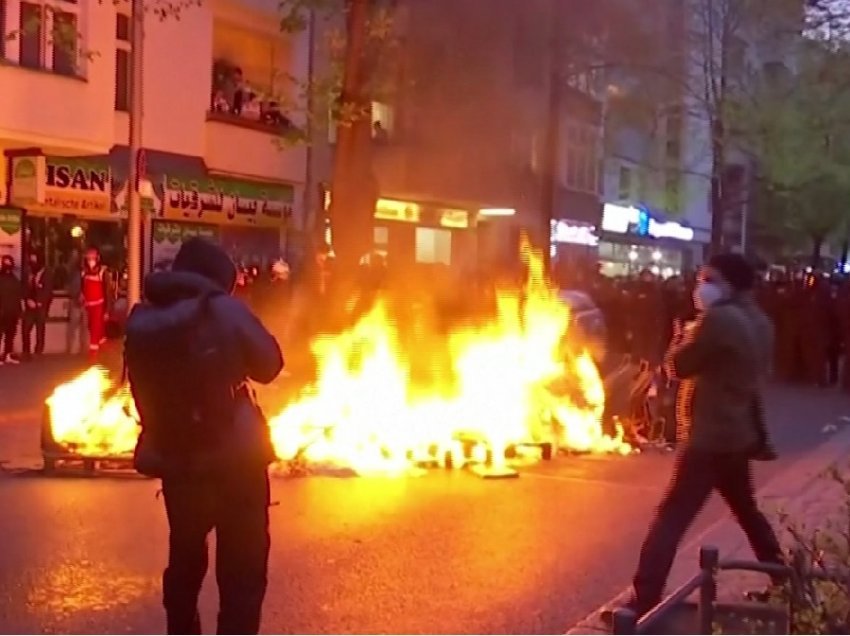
x=64 y=127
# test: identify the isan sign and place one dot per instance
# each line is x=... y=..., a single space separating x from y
x=65 y=185
x=77 y=187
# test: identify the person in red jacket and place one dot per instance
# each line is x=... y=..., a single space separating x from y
x=95 y=299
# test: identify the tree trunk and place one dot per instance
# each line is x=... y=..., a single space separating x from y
x=354 y=189
x=718 y=202
x=817 y=248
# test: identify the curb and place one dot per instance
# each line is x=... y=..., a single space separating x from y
x=789 y=486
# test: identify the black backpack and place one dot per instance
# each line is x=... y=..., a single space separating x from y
x=177 y=366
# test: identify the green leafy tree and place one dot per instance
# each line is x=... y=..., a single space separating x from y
x=796 y=124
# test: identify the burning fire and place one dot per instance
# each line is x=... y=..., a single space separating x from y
x=484 y=393
x=91 y=418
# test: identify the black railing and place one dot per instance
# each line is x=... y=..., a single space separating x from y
x=626 y=621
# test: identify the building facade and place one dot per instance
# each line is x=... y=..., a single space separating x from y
x=460 y=144
x=212 y=104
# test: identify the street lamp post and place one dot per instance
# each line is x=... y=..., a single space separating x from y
x=134 y=215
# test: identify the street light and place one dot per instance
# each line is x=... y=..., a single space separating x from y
x=656 y=256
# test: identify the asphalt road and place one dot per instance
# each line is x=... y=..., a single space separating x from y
x=443 y=553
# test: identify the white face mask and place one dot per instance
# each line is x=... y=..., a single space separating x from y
x=706 y=295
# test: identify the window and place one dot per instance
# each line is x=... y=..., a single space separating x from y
x=30 y=35
x=673 y=145
x=671 y=186
x=433 y=246
x=122 y=27
x=582 y=158
x=122 y=79
x=382 y=121
x=122 y=62
x=48 y=36
x=624 y=189
x=64 y=43
x=2 y=28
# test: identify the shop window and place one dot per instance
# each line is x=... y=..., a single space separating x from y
x=433 y=246
x=381 y=235
x=30 y=35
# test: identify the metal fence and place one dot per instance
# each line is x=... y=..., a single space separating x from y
x=625 y=621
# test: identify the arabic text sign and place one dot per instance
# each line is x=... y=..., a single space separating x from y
x=226 y=201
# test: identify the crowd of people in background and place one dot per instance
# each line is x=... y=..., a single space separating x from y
x=810 y=312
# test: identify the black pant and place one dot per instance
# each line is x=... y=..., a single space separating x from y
x=34 y=318
x=696 y=475
x=235 y=505
x=8 y=329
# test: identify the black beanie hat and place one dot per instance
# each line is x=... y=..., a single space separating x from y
x=736 y=269
x=203 y=257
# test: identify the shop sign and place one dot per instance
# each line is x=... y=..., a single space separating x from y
x=10 y=233
x=394 y=210
x=77 y=186
x=169 y=236
x=454 y=218
x=574 y=233
x=621 y=219
x=27 y=180
x=227 y=201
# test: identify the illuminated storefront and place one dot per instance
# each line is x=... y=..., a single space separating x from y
x=633 y=239
x=71 y=202
x=430 y=233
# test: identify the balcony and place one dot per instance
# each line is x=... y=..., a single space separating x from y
x=253 y=147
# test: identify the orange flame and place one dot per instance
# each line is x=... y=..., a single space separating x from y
x=491 y=390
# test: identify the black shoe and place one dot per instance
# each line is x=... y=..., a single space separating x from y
x=607 y=615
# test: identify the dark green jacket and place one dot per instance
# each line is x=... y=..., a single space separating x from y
x=721 y=363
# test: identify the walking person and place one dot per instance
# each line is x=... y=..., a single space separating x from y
x=38 y=295
x=191 y=351
x=11 y=299
x=721 y=359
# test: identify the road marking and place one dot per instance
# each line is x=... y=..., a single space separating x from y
x=600 y=482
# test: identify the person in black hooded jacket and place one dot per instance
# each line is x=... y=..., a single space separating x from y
x=11 y=297
x=213 y=469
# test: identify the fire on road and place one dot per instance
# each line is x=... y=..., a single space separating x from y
x=489 y=391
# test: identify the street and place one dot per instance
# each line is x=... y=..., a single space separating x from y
x=446 y=552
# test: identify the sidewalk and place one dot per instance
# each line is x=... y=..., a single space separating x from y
x=799 y=491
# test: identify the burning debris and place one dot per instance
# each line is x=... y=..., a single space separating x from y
x=503 y=391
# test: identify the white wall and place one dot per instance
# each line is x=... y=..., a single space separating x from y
x=73 y=115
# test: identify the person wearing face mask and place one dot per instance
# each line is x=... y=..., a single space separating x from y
x=96 y=297
x=11 y=298
x=38 y=295
x=722 y=358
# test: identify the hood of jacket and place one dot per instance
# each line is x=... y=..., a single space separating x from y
x=167 y=288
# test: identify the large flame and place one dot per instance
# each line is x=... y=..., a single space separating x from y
x=386 y=401
x=91 y=418
x=497 y=387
